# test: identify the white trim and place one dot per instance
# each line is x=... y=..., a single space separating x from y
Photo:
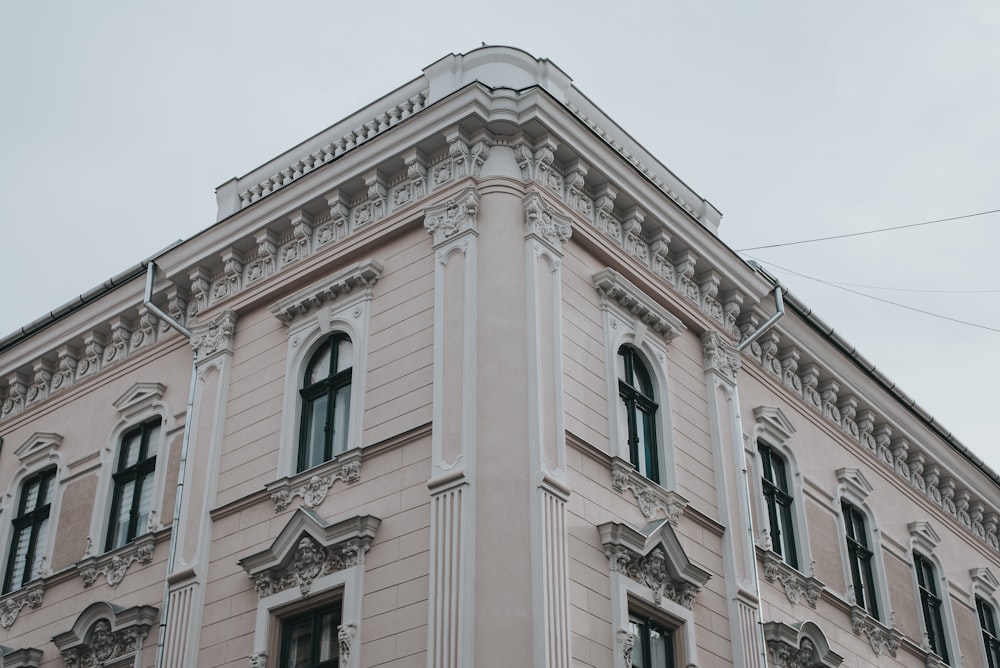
x=776 y=430
x=135 y=411
x=855 y=488
x=350 y=315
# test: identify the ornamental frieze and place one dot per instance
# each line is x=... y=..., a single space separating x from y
x=314 y=488
x=311 y=561
x=12 y=604
x=114 y=565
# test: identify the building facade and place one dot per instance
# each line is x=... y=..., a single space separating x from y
x=469 y=379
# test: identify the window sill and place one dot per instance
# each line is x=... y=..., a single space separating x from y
x=114 y=564
x=652 y=498
x=313 y=484
x=29 y=595
x=795 y=583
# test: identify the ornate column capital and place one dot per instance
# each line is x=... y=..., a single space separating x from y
x=214 y=337
x=454 y=217
x=544 y=222
x=720 y=357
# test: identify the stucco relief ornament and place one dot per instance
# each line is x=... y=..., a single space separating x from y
x=719 y=356
x=795 y=584
x=104 y=645
x=216 y=336
x=314 y=490
x=11 y=607
x=311 y=561
x=651 y=571
x=345 y=639
x=880 y=638
x=627 y=641
x=454 y=216
x=258 y=660
x=544 y=222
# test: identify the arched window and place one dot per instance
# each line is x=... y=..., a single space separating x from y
x=635 y=387
x=931 y=605
x=988 y=626
x=860 y=556
x=780 y=504
x=326 y=401
x=132 y=498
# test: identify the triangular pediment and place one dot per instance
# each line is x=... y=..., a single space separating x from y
x=983 y=577
x=654 y=557
x=138 y=397
x=307 y=548
x=923 y=535
x=38 y=446
x=855 y=482
x=774 y=423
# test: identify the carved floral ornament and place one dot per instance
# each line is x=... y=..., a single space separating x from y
x=105 y=633
x=653 y=558
x=880 y=637
x=114 y=565
x=453 y=217
x=307 y=549
x=652 y=499
x=314 y=485
x=215 y=336
x=801 y=645
x=12 y=604
x=796 y=585
x=543 y=221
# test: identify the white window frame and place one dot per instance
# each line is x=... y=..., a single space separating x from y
x=140 y=403
x=984 y=586
x=854 y=488
x=924 y=540
x=39 y=452
x=347 y=309
x=776 y=430
x=623 y=326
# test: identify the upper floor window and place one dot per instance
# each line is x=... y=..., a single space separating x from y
x=988 y=625
x=30 y=529
x=326 y=402
x=930 y=605
x=778 y=497
x=310 y=639
x=860 y=557
x=132 y=498
x=635 y=388
x=653 y=644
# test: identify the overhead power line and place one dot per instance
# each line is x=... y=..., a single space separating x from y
x=859 y=234
x=878 y=299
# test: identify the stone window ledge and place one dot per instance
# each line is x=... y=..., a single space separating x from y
x=114 y=565
x=796 y=584
x=881 y=637
x=652 y=498
x=313 y=484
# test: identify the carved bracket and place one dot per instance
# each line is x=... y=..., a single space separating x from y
x=11 y=605
x=880 y=637
x=313 y=489
x=796 y=584
x=114 y=565
x=652 y=498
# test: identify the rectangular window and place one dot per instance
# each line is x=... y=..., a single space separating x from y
x=309 y=640
x=653 y=645
x=132 y=498
x=988 y=624
x=930 y=605
x=778 y=497
x=860 y=557
x=27 y=545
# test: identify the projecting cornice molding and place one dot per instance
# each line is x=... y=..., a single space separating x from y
x=361 y=277
x=615 y=289
x=654 y=558
x=308 y=548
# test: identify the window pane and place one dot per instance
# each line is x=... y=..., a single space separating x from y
x=119 y=523
x=319 y=366
x=30 y=498
x=130 y=450
x=297 y=637
x=345 y=354
x=637 y=636
x=145 y=503
x=152 y=439
x=328 y=648
x=659 y=647
x=647 y=445
x=341 y=412
x=316 y=431
x=19 y=550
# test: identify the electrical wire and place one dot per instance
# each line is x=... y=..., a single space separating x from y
x=859 y=234
x=878 y=299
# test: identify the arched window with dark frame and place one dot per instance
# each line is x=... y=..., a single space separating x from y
x=988 y=626
x=779 y=500
x=931 y=606
x=132 y=498
x=326 y=402
x=635 y=388
x=860 y=556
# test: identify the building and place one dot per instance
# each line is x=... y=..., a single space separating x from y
x=469 y=379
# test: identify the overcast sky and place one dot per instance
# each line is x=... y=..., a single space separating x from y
x=796 y=119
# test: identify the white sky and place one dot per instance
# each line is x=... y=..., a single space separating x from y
x=796 y=119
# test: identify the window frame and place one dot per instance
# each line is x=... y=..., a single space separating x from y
x=776 y=489
x=144 y=472
x=633 y=401
x=860 y=558
x=932 y=605
x=853 y=490
x=31 y=520
x=329 y=386
x=991 y=635
x=287 y=617
x=348 y=312
x=642 y=643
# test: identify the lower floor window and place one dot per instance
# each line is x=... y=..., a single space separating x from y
x=653 y=645
x=309 y=639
